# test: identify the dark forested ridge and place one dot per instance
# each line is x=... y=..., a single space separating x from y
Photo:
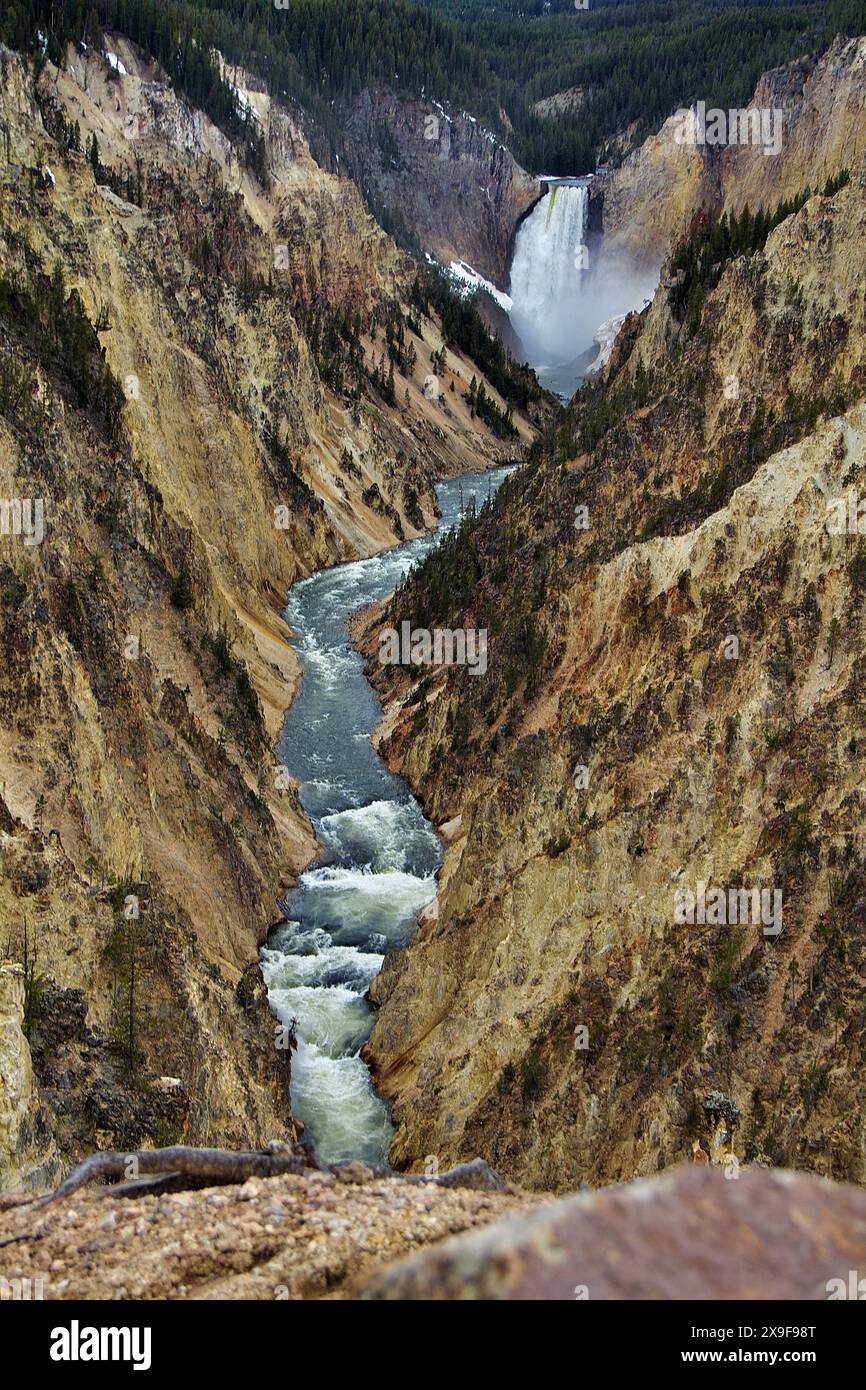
x=635 y=61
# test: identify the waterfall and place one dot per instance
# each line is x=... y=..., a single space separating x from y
x=549 y=263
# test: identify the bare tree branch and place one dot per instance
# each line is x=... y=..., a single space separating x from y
x=152 y=1171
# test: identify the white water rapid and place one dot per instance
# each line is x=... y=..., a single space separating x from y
x=378 y=858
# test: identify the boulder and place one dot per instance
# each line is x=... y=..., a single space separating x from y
x=690 y=1234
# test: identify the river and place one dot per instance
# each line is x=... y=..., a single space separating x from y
x=378 y=857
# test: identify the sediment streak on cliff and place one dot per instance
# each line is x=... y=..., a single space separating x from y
x=704 y=467
x=145 y=669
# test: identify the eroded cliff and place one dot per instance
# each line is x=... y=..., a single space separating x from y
x=643 y=207
x=195 y=398
x=675 y=653
x=440 y=176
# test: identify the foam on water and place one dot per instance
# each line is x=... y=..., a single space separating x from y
x=378 y=858
x=340 y=1108
x=352 y=903
x=383 y=836
x=312 y=958
x=333 y=1018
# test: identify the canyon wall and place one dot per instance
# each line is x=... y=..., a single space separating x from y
x=643 y=207
x=30 y=1158
x=173 y=337
x=673 y=697
x=440 y=177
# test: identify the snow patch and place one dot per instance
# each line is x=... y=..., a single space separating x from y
x=243 y=101
x=473 y=281
x=605 y=337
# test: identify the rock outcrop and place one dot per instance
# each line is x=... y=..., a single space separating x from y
x=688 y=1235
x=30 y=1160
x=316 y=1235
x=438 y=175
x=637 y=211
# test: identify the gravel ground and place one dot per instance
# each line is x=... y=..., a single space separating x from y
x=293 y=1237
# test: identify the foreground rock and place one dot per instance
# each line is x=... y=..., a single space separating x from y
x=291 y=1237
x=349 y=1234
x=690 y=1234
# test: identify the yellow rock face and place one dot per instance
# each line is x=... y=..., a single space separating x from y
x=649 y=200
x=554 y=1015
x=140 y=636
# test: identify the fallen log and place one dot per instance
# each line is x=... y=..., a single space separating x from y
x=197 y=1166
x=148 y=1172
